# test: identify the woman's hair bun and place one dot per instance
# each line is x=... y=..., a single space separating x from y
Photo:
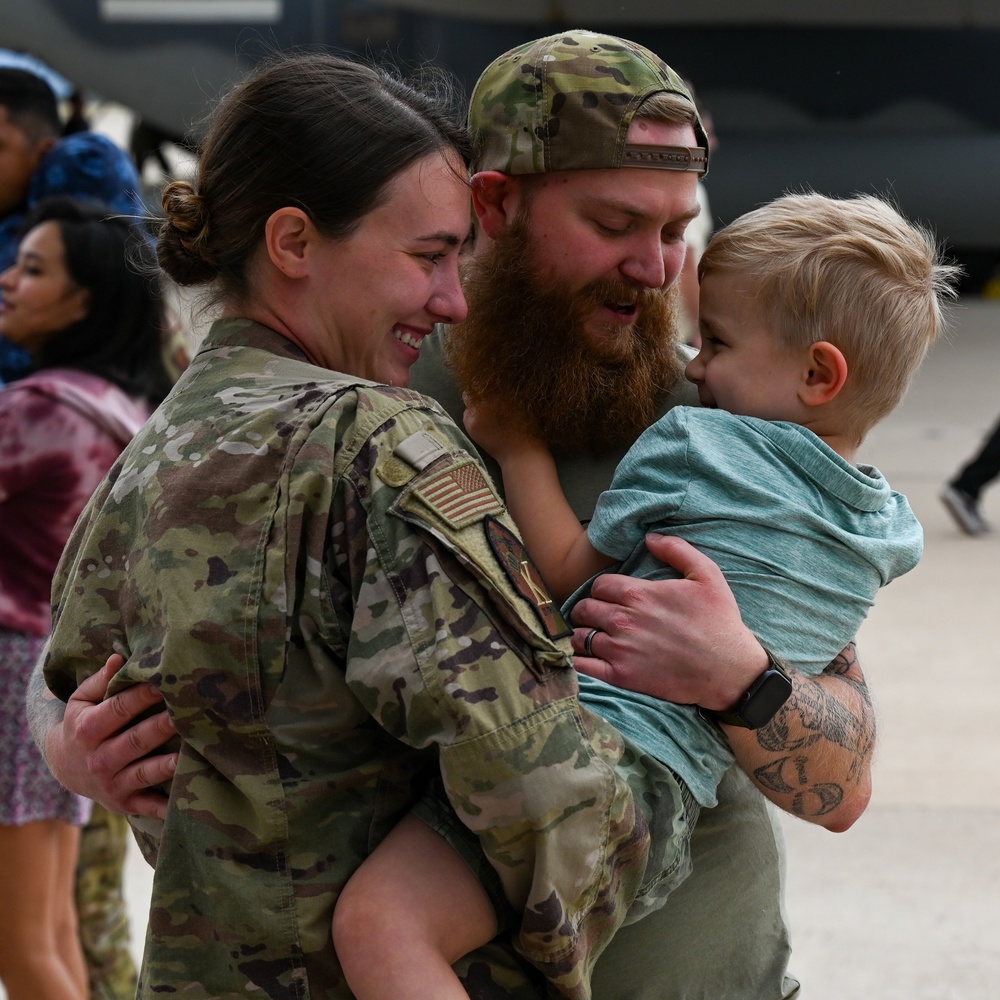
x=183 y=248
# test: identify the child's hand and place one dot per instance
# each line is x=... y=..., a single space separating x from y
x=495 y=432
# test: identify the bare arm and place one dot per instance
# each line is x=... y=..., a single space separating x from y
x=814 y=758
x=684 y=641
x=553 y=534
x=97 y=749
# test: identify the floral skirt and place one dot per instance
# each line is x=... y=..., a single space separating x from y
x=28 y=792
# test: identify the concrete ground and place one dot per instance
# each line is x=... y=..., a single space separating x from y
x=905 y=906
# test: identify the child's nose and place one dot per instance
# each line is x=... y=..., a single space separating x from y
x=695 y=369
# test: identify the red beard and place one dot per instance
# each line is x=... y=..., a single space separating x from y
x=523 y=348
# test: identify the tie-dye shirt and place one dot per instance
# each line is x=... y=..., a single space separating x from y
x=60 y=432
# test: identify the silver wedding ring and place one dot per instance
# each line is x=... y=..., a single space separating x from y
x=588 y=641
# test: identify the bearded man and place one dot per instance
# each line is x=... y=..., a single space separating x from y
x=588 y=150
x=523 y=347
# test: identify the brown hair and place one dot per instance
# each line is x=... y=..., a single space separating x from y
x=323 y=133
x=668 y=109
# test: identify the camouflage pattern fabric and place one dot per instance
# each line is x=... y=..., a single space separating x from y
x=100 y=904
x=320 y=605
x=565 y=102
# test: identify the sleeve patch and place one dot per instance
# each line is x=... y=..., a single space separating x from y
x=525 y=577
x=459 y=494
x=420 y=449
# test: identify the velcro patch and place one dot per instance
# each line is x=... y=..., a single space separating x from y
x=525 y=577
x=420 y=449
x=459 y=494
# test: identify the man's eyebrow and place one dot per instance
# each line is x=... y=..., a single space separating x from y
x=626 y=208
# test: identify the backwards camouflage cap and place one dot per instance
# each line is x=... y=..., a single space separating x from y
x=565 y=102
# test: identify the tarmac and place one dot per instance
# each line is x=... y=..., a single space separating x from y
x=906 y=904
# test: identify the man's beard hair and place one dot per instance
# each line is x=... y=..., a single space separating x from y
x=524 y=349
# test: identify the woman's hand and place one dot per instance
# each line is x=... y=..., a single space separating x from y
x=96 y=748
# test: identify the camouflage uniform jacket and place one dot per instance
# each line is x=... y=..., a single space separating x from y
x=322 y=582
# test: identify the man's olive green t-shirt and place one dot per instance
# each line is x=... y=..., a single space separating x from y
x=722 y=935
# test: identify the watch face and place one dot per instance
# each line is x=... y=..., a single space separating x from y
x=768 y=695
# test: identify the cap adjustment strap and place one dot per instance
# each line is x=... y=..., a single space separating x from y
x=694 y=158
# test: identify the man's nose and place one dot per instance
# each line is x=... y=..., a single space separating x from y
x=646 y=266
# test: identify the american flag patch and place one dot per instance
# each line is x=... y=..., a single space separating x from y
x=460 y=495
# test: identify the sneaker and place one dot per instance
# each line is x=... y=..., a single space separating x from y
x=964 y=508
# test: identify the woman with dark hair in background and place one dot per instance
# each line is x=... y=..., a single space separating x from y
x=90 y=323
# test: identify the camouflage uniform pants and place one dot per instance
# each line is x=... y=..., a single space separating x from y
x=100 y=903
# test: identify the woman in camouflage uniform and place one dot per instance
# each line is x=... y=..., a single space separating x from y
x=309 y=564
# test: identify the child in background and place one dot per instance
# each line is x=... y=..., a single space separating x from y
x=814 y=315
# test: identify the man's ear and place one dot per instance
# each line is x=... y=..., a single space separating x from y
x=43 y=146
x=495 y=197
x=287 y=235
x=824 y=375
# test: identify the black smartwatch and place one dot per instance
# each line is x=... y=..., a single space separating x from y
x=763 y=699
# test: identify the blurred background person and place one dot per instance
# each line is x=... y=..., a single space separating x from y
x=961 y=495
x=29 y=128
x=90 y=323
x=77 y=121
x=36 y=163
x=696 y=236
x=89 y=166
x=148 y=142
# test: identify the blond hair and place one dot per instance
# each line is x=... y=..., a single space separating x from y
x=850 y=271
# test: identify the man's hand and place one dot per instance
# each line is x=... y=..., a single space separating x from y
x=684 y=641
x=97 y=749
x=680 y=640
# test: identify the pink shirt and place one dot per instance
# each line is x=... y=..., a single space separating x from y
x=60 y=431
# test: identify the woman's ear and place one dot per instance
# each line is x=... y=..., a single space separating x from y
x=495 y=199
x=825 y=373
x=287 y=234
x=81 y=301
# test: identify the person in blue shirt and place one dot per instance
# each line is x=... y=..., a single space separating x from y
x=35 y=163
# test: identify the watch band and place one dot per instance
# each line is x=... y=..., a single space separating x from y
x=763 y=698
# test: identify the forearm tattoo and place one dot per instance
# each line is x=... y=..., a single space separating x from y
x=820 y=724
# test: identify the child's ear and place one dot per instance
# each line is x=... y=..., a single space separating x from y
x=824 y=375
